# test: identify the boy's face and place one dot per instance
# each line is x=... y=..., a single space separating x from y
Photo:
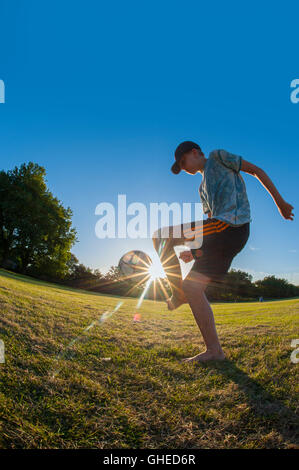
x=191 y=162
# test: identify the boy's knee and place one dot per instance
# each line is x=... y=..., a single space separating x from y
x=168 y=234
x=159 y=235
x=196 y=283
x=187 y=285
x=156 y=235
x=156 y=238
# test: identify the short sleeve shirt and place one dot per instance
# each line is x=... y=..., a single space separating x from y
x=222 y=190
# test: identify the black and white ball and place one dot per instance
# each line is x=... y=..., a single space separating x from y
x=135 y=262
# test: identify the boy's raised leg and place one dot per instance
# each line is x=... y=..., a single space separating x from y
x=165 y=249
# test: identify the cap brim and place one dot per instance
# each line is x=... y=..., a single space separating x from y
x=176 y=168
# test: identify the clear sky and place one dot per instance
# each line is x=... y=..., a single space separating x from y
x=101 y=93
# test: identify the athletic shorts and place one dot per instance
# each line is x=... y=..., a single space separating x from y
x=221 y=242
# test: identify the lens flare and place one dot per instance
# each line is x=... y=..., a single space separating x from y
x=156 y=270
x=66 y=353
x=137 y=317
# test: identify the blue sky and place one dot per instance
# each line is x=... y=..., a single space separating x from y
x=101 y=93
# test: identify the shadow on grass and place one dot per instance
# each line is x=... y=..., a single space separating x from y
x=270 y=411
x=52 y=285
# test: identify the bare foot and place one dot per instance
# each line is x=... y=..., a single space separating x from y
x=174 y=302
x=206 y=356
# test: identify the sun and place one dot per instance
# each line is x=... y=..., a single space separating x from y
x=156 y=270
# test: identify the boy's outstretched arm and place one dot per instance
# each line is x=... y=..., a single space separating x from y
x=284 y=208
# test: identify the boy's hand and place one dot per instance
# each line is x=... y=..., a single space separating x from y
x=286 y=210
x=186 y=256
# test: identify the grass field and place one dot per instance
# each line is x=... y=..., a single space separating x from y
x=143 y=397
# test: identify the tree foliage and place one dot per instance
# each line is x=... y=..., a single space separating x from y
x=35 y=229
x=273 y=287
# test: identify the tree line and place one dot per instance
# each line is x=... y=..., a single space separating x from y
x=36 y=238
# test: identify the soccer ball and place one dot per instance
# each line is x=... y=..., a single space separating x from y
x=135 y=262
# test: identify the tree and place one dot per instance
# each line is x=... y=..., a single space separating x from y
x=235 y=285
x=35 y=229
x=239 y=284
x=273 y=287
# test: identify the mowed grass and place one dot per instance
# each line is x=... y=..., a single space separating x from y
x=143 y=397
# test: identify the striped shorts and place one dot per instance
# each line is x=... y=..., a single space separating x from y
x=221 y=242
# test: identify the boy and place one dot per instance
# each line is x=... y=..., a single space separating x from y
x=224 y=233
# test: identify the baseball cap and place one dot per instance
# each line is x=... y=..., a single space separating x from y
x=184 y=147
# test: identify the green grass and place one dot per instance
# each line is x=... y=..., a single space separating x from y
x=143 y=397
